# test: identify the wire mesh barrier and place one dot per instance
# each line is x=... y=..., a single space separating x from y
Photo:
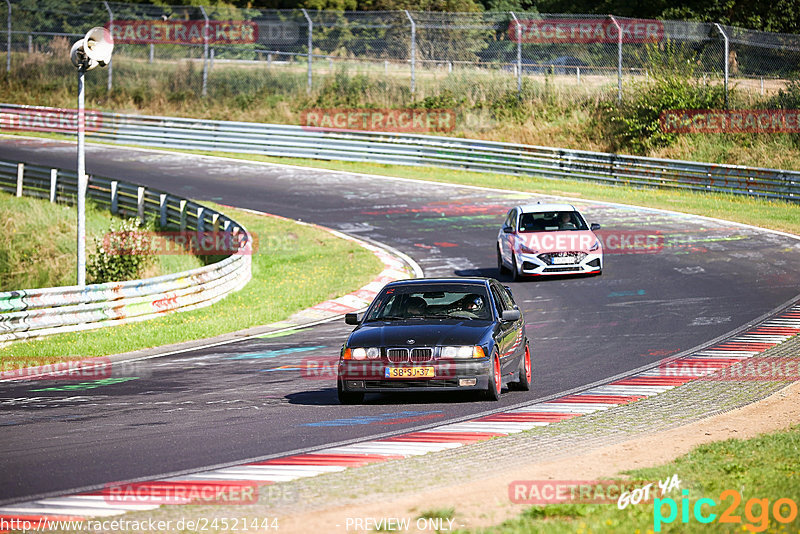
x=31 y=313
x=414 y=55
x=431 y=151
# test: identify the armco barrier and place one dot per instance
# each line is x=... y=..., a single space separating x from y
x=36 y=312
x=418 y=150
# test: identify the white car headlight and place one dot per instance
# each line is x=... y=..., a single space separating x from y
x=457 y=352
x=359 y=354
x=373 y=353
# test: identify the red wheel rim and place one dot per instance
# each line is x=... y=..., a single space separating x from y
x=528 y=363
x=497 y=374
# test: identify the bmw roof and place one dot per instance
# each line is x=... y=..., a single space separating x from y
x=456 y=280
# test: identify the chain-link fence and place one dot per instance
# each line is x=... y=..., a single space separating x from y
x=400 y=57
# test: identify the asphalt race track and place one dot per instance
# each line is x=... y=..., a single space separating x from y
x=252 y=398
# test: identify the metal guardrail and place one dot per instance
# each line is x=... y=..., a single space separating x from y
x=37 y=312
x=417 y=150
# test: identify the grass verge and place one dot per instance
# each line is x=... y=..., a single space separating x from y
x=295 y=266
x=49 y=259
x=760 y=471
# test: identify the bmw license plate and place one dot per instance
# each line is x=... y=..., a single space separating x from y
x=409 y=372
x=563 y=260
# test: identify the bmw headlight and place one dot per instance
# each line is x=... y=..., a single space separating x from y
x=361 y=353
x=466 y=351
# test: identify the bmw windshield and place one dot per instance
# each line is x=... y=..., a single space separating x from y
x=434 y=301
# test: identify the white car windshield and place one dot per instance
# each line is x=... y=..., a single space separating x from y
x=551 y=221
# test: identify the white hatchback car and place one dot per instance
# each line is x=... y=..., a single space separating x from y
x=548 y=239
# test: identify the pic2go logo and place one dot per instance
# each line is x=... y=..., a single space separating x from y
x=756 y=511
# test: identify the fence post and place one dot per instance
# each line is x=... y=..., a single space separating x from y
x=310 y=45
x=8 y=39
x=727 y=52
x=114 y=197
x=413 y=51
x=205 y=52
x=152 y=52
x=200 y=214
x=53 y=184
x=578 y=74
x=183 y=215
x=162 y=209
x=519 y=54
x=140 y=203
x=20 y=174
x=111 y=29
x=619 y=57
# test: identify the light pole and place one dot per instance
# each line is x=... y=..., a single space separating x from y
x=92 y=51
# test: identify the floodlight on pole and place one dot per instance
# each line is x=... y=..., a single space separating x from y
x=93 y=51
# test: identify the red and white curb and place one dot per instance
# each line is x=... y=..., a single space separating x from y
x=719 y=356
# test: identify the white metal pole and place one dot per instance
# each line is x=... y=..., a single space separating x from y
x=8 y=39
x=519 y=54
x=310 y=44
x=81 y=182
x=111 y=29
x=619 y=57
x=727 y=53
x=205 y=52
x=413 y=51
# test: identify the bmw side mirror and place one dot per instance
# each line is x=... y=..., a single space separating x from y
x=351 y=318
x=511 y=315
x=508 y=230
x=594 y=226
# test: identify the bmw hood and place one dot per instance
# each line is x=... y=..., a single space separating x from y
x=413 y=333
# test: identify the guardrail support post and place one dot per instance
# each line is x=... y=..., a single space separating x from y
x=725 y=60
x=152 y=52
x=519 y=54
x=20 y=175
x=214 y=221
x=183 y=215
x=619 y=57
x=140 y=203
x=205 y=52
x=53 y=184
x=162 y=208
x=114 y=197
x=413 y=51
x=226 y=225
x=310 y=45
x=200 y=214
x=578 y=74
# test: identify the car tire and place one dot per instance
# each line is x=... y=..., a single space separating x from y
x=501 y=267
x=525 y=371
x=515 y=276
x=495 y=381
x=348 y=397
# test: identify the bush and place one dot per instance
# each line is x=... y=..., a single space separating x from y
x=676 y=84
x=635 y=123
x=121 y=255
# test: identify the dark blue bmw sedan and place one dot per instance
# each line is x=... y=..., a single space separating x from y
x=436 y=334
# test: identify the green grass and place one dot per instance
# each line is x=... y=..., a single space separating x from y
x=38 y=246
x=764 y=467
x=776 y=215
x=552 y=110
x=295 y=266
